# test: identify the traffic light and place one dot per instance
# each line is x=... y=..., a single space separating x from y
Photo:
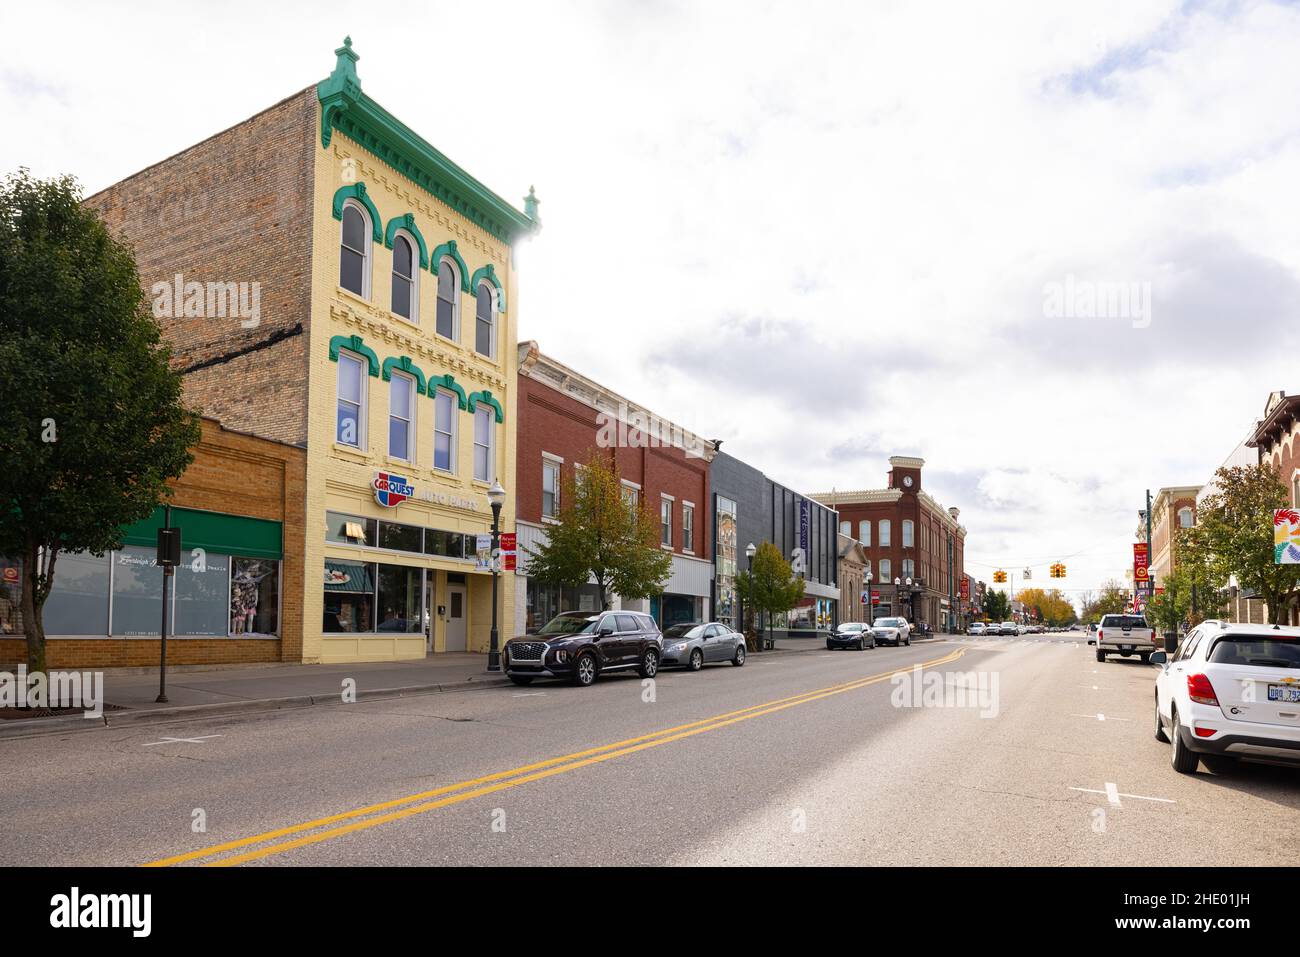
x=1057 y=570
x=999 y=577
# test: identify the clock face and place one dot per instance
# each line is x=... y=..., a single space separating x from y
x=907 y=480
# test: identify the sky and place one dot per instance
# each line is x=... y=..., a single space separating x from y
x=824 y=233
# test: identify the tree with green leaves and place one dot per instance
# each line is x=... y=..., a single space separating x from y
x=997 y=605
x=770 y=586
x=1113 y=599
x=1235 y=531
x=603 y=537
x=97 y=425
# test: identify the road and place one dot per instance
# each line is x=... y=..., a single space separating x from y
x=804 y=758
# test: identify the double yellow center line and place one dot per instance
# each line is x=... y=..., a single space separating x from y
x=373 y=815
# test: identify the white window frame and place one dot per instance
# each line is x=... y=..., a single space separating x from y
x=909 y=533
x=414 y=317
x=885 y=533
x=455 y=299
x=1178 y=516
x=864 y=525
x=410 y=421
x=492 y=315
x=452 y=402
x=550 y=462
x=688 y=527
x=367 y=253
x=886 y=572
x=846 y=529
x=363 y=370
x=666 y=503
x=631 y=492
x=909 y=568
x=487 y=412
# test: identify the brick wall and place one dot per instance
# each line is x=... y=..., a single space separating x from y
x=234 y=208
x=239 y=475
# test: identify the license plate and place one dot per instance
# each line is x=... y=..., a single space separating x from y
x=1283 y=693
x=1125 y=647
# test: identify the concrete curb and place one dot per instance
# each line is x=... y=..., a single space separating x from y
x=71 y=724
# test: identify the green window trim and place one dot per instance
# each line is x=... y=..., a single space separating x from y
x=448 y=249
x=404 y=364
x=214 y=532
x=354 y=344
x=487 y=398
x=489 y=274
x=450 y=384
x=407 y=222
x=358 y=192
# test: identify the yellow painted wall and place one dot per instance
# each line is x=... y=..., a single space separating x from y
x=338 y=477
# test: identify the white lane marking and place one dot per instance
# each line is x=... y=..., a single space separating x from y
x=528 y=694
x=198 y=740
x=1099 y=716
x=1114 y=796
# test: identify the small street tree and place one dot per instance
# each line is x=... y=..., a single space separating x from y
x=1235 y=531
x=769 y=587
x=997 y=605
x=1111 y=600
x=602 y=537
x=96 y=424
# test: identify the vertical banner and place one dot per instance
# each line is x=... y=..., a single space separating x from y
x=1286 y=537
x=1141 y=559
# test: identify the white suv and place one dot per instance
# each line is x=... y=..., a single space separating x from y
x=1125 y=635
x=1230 y=691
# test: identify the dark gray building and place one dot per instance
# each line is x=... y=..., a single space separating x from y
x=749 y=508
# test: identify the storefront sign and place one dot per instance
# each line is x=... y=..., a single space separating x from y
x=875 y=598
x=1141 y=555
x=804 y=518
x=508 y=551
x=483 y=548
x=391 y=490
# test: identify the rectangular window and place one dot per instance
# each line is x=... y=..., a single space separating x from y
x=909 y=568
x=399 y=599
x=444 y=431
x=864 y=532
x=484 y=465
x=202 y=599
x=884 y=533
x=631 y=496
x=350 y=529
x=78 y=602
x=886 y=571
x=349 y=597
x=550 y=488
x=402 y=538
x=401 y=410
x=137 y=593
x=688 y=528
x=846 y=529
x=909 y=534
x=666 y=522
x=351 y=401
x=445 y=544
x=254 y=597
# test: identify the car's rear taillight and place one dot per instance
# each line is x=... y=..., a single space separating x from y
x=1200 y=690
x=1099 y=634
x=1206 y=732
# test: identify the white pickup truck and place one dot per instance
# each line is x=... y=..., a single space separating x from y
x=1125 y=635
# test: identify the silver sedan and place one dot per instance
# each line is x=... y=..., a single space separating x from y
x=694 y=644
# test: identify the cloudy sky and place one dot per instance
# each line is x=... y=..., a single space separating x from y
x=822 y=232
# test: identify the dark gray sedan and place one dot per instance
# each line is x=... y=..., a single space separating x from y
x=693 y=644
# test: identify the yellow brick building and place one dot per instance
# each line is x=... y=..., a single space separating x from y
x=410 y=257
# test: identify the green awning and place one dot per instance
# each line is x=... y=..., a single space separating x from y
x=213 y=532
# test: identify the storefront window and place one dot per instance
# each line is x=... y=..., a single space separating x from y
x=137 y=593
x=349 y=597
x=255 y=597
x=78 y=602
x=402 y=538
x=399 y=599
x=11 y=596
x=202 y=593
x=445 y=544
x=350 y=529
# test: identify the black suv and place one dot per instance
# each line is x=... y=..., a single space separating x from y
x=580 y=645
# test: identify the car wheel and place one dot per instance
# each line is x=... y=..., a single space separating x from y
x=908 y=640
x=584 y=670
x=862 y=645
x=649 y=664
x=1184 y=761
x=521 y=679
x=739 y=659
x=696 y=661
x=1160 y=726
x=829 y=646
x=1101 y=655
x=1146 y=657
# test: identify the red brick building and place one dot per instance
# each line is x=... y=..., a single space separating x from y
x=906 y=534
x=563 y=419
x=1276 y=440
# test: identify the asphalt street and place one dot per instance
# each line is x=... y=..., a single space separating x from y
x=806 y=758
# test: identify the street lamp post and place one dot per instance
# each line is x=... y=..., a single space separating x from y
x=870 y=611
x=750 y=551
x=496 y=498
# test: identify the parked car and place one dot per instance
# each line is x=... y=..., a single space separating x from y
x=580 y=645
x=976 y=628
x=892 y=631
x=694 y=644
x=1230 y=691
x=1125 y=635
x=1009 y=628
x=851 y=634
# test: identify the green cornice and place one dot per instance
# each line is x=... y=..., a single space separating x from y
x=449 y=249
x=447 y=382
x=407 y=221
x=490 y=274
x=487 y=398
x=404 y=364
x=346 y=108
x=354 y=344
x=358 y=192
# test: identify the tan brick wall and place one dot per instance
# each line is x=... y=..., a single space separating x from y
x=234 y=208
x=239 y=475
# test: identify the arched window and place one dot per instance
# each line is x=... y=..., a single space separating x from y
x=485 y=320
x=448 y=284
x=1185 y=519
x=354 y=250
x=404 y=278
x=908 y=533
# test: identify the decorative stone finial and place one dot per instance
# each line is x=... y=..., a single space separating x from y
x=531 y=202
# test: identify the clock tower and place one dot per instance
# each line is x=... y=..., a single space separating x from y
x=905 y=473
